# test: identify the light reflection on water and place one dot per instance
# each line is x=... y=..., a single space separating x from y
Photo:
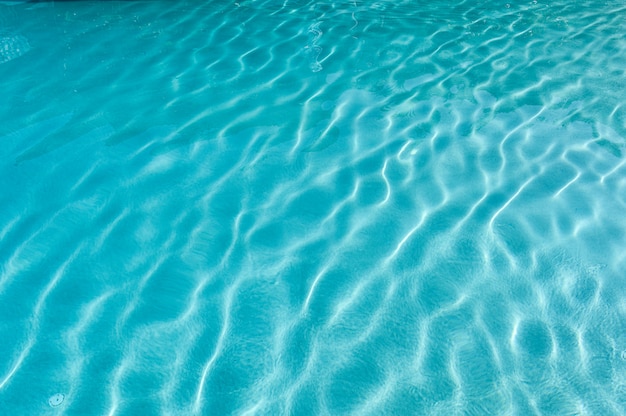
x=312 y=208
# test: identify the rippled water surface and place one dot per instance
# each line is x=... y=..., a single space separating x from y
x=313 y=208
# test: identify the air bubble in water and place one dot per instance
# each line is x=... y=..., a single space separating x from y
x=56 y=399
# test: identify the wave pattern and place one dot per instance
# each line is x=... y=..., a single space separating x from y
x=266 y=207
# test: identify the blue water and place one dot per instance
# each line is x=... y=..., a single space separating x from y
x=312 y=208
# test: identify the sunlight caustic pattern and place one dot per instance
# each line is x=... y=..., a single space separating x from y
x=292 y=207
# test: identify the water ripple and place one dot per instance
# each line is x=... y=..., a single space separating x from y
x=277 y=207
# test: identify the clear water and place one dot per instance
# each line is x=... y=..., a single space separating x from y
x=292 y=208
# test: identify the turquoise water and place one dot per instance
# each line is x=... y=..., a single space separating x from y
x=323 y=208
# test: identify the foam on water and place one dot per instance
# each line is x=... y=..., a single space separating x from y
x=277 y=207
x=12 y=47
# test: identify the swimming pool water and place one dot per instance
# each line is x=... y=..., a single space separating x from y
x=308 y=208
